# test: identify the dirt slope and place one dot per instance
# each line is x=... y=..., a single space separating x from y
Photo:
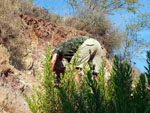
x=43 y=32
x=14 y=82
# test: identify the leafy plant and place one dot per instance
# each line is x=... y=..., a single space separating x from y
x=142 y=92
x=91 y=95
x=121 y=86
x=46 y=99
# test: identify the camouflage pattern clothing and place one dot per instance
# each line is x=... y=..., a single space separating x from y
x=68 y=48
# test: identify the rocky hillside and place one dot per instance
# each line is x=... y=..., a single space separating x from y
x=21 y=58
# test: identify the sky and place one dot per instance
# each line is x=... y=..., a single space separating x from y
x=61 y=8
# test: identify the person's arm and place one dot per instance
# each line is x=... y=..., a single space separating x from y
x=53 y=60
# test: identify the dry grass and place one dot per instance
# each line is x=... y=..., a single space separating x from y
x=12 y=27
x=10 y=22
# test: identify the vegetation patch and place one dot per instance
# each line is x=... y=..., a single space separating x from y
x=92 y=95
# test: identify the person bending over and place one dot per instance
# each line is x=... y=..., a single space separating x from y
x=90 y=51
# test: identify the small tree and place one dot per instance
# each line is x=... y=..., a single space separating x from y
x=132 y=45
x=141 y=95
x=91 y=95
x=84 y=8
x=46 y=98
x=87 y=96
x=120 y=88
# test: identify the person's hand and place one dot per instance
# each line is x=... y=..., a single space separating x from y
x=53 y=60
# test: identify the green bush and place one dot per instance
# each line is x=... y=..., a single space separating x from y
x=69 y=96
x=46 y=99
x=92 y=95
x=141 y=96
x=121 y=87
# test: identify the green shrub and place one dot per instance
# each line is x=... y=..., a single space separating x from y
x=91 y=95
x=69 y=96
x=121 y=87
x=46 y=99
x=141 y=97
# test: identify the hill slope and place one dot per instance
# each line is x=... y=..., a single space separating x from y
x=21 y=56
